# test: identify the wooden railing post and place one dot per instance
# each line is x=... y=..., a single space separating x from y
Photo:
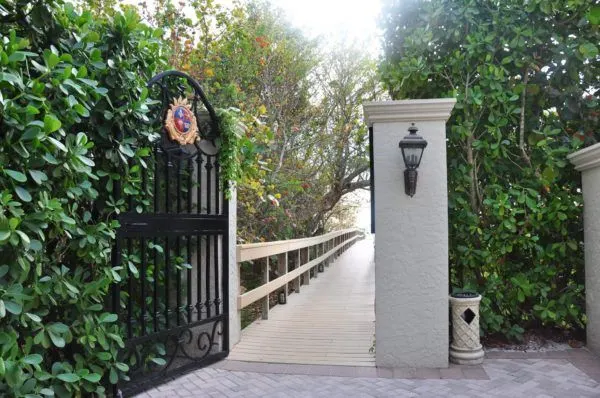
x=265 y=300
x=305 y=259
x=282 y=269
x=316 y=267
x=332 y=247
x=320 y=252
x=298 y=279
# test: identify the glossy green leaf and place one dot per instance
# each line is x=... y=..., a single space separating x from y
x=93 y=377
x=68 y=377
x=23 y=194
x=10 y=78
x=33 y=317
x=58 y=327
x=80 y=109
x=33 y=359
x=52 y=60
x=159 y=361
x=107 y=317
x=16 y=175
x=51 y=123
x=113 y=376
x=59 y=145
x=38 y=176
x=12 y=307
x=57 y=340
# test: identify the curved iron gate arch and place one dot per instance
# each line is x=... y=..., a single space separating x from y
x=173 y=244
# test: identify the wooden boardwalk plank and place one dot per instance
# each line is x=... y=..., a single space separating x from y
x=331 y=322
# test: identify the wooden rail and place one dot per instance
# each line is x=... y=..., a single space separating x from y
x=308 y=256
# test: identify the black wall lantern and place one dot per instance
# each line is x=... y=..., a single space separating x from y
x=412 y=147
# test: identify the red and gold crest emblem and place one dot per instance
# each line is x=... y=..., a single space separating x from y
x=181 y=122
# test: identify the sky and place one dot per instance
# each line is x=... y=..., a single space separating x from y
x=335 y=19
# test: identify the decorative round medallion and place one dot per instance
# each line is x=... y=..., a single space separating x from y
x=181 y=122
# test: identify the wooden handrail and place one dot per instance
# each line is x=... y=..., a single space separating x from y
x=252 y=251
x=330 y=245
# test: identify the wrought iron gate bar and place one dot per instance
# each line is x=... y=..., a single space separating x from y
x=167 y=282
x=178 y=282
x=199 y=280
x=199 y=190
x=155 y=289
x=174 y=330
x=217 y=300
x=208 y=167
x=138 y=225
x=208 y=279
x=167 y=184
x=217 y=194
x=143 y=287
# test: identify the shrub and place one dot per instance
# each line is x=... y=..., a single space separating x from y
x=72 y=109
x=525 y=76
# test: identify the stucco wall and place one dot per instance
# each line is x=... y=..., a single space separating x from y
x=591 y=217
x=588 y=162
x=411 y=241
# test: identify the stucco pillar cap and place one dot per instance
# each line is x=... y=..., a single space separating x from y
x=408 y=110
x=587 y=158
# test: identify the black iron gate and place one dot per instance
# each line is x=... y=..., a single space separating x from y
x=173 y=244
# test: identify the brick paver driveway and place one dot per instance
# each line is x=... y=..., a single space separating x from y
x=572 y=373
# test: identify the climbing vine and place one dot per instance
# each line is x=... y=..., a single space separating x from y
x=231 y=130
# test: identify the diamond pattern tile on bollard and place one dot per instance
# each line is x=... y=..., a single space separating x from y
x=468 y=315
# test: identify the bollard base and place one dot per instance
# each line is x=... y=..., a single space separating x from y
x=466 y=357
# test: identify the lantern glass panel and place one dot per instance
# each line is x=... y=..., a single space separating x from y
x=412 y=156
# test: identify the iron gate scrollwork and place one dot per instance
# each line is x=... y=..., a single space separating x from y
x=172 y=244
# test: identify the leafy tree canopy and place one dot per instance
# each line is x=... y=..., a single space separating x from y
x=305 y=145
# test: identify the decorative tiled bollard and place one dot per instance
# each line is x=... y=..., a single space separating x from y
x=466 y=347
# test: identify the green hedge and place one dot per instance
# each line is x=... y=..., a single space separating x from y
x=72 y=107
x=525 y=77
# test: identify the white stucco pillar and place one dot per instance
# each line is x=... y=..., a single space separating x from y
x=235 y=326
x=411 y=236
x=588 y=162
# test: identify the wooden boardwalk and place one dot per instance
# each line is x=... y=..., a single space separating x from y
x=331 y=322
